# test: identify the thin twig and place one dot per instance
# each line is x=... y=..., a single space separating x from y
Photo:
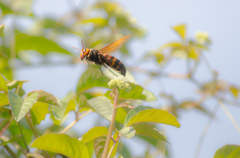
x=24 y=141
x=229 y=116
x=114 y=144
x=204 y=133
x=105 y=151
x=31 y=126
x=6 y=126
x=75 y=121
x=6 y=147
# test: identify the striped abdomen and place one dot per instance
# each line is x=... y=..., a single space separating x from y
x=115 y=64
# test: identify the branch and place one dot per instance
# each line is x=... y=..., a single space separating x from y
x=75 y=121
x=4 y=128
x=105 y=151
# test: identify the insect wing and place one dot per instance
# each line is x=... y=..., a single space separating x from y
x=114 y=46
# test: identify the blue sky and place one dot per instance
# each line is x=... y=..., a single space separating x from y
x=219 y=18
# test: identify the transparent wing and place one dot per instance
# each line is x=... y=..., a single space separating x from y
x=114 y=46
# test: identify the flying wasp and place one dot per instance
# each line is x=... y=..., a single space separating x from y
x=102 y=57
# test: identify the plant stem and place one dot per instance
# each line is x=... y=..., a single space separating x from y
x=105 y=151
x=6 y=147
x=31 y=126
x=24 y=141
x=75 y=121
x=204 y=133
x=114 y=144
x=229 y=116
x=4 y=128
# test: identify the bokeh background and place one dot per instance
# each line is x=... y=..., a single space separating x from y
x=154 y=19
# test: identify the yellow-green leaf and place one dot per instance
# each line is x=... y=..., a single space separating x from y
x=63 y=144
x=95 y=21
x=181 y=30
x=154 y=115
x=171 y=45
x=133 y=112
x=94 y=133
x=193 y=54
x=71 y=106
x=121 y=114
x=39 y=112
x=235 y=91
x=3 y=99
x=159 y=57
x=228 y=151
x=1 y=29
x=99 y=144
x=3 y=85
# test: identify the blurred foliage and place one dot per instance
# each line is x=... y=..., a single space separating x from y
x=101 y=23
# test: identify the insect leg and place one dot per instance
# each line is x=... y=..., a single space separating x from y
x=100 y=69
x=109 y=70
x=88 y=63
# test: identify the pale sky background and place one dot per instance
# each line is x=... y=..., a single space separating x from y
x=219 y=18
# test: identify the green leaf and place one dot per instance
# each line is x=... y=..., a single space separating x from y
x=57 y=26
x=127 y=132
x=19 y=106
x=228 y=151
x=181 y=30
x=71 y=106
x=39 y=112
x=94 y=133
x=92 y=78
x=5 y=9
x=59 y=112
x=123 y=150
x=99 y=144
x=10 y=140
x=134 y=111
x=154 y=115
x=1 y=29
x=3 y=123
x=137 y=92
x=63 y=144
x=3 y=85
x=15 y=84
x=38 y=43
x=48 y=98
x=83 y=102
x=235 y=91
x=3 y=99
x=148 y=130
x=27 y=133
x=103 y=106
